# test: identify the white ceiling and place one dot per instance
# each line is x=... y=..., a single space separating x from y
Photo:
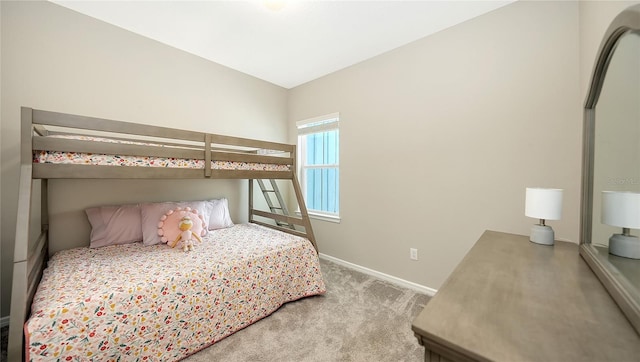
x=302 y=41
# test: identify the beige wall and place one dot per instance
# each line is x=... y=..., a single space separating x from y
x=56 y=59
x=440 y=138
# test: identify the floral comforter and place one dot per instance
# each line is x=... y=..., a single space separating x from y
x=80 y=158
x=153 y=303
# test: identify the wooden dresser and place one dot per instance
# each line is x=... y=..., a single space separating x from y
x=513 y=300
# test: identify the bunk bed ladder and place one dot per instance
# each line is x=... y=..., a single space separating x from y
x=285 y=223
x=280 y=207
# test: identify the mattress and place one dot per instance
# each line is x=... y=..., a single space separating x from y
x=134 y=302
x=80 y=158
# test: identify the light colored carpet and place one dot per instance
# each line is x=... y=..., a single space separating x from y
x=360 y=318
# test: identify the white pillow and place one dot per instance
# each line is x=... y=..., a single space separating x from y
x=219 y=217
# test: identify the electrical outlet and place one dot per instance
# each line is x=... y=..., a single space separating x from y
x=413 y=254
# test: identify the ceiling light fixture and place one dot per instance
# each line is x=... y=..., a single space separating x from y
x=274 y=5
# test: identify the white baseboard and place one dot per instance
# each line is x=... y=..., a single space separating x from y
x=389 y=278
x=4 y=321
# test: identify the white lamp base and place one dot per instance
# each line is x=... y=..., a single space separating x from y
x=624 y=246
x=542 y=234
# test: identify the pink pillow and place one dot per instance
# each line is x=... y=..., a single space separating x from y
x=219 y=217
x=152 y=212
x=114 y=225
x=169 y=224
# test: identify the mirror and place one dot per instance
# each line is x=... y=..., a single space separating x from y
x=616 y=163
x=611 y=169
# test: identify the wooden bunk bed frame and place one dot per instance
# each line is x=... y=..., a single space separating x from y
x=31 y=251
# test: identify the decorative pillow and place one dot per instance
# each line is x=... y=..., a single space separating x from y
x=169 y=224
x=113 y=225
x=152 y=212
x=219 y=217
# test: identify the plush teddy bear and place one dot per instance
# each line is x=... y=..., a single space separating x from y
x=186 y=236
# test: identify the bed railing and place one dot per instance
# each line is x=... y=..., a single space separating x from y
x=30 y=253
x=151 y=141
x=29 y=258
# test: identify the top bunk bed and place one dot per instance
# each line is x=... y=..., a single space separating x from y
x=58 y=145
x=73 y=146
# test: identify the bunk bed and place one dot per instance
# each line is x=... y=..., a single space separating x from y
x=65 y=146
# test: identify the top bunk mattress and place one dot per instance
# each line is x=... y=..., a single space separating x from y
x=137 y=302
x=81 y=158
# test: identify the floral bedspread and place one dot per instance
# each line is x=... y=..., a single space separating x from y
x=80 y=158
x=153 y=303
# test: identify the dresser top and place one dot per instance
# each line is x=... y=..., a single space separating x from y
x=513 y=300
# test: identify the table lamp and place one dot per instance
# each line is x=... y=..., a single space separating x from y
x=543 y=204
x=622 y=209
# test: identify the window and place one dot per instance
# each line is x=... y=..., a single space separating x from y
x=319 y=171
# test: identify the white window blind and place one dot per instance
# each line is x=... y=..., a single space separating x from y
x=319 y=171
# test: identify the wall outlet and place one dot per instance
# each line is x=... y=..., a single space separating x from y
x=413 y=254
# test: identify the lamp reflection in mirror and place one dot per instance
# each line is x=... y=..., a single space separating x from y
x=622 y=209
x=543 y=204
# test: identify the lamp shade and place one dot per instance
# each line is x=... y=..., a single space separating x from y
x=543 y=203
x=621 y=209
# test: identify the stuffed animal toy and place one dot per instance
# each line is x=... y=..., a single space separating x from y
x=181 y=224
x=186 y=236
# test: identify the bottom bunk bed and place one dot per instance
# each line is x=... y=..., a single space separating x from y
x=138 y=302
x=148 y=301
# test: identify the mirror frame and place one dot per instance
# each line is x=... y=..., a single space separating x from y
x=626 y=22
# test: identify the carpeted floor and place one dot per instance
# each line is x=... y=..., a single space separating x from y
x=360 y=318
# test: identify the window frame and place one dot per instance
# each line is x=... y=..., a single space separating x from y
x=304 y=128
